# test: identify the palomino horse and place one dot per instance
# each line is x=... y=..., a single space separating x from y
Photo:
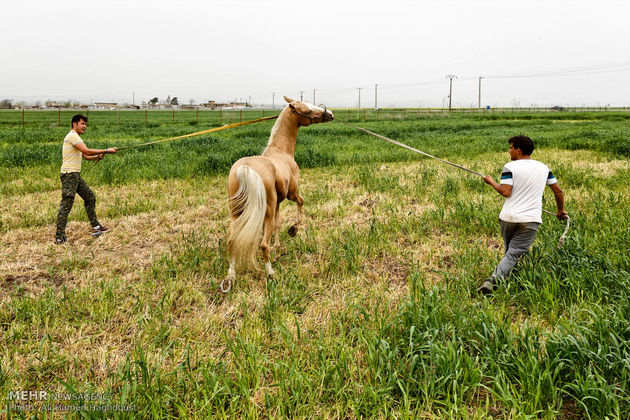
x=258 y=184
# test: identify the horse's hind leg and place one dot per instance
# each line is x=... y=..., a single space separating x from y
x=276 y=233
x=268 y=228
x=226 y=283
x=300 y=202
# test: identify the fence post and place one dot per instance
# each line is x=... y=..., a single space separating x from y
x=363 y=114
x=197 y=115
x=241 y=115
x=220 y=116
x=119 y=117
x=173 y=115
x=22 y=116
x=263 y=113
x=146 y=112
x=59 y=117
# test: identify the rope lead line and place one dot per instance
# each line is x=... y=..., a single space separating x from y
x=410 y=148
x=198 y=133
x=397 y=143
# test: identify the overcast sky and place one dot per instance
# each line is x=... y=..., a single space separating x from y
x=133 y=50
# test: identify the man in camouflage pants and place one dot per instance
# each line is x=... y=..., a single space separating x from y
x=71 y=182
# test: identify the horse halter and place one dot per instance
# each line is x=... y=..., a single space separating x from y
x=321 y=118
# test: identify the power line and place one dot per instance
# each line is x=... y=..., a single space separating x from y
x=600 y=68
x=591 y=69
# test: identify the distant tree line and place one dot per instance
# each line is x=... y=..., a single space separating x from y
x=168 y=101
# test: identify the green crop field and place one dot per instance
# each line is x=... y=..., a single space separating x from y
x=371 y=312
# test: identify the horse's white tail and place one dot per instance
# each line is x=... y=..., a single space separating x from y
x=249 y=205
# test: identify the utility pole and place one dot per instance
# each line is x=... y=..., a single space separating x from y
x=301 y=95
x=375 y=96
x=359 y=89
x=450 y=91
x=133 y=101
x=479 y=106
x=314 y=96
x=273 y=100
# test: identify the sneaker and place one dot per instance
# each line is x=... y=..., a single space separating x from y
x=487 y=287
x=100 y=228
x=60 y=241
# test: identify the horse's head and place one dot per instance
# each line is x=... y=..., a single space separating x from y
x=309 y=114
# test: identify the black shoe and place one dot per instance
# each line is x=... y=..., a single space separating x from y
x=100 y=228
x=60 y=241
x=487 y=287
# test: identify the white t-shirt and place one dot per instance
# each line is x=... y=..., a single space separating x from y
x=528 y=178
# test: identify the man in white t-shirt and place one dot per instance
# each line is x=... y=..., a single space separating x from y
x=522 y=184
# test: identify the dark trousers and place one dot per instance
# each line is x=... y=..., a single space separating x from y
x=518 y=237
x=72 y=184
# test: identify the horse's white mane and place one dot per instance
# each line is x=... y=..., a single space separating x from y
x=275 y=127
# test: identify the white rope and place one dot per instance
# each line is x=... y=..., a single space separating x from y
x=566 y=229
x=397 y=143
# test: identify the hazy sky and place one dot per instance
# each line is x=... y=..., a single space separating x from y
x=225 y=50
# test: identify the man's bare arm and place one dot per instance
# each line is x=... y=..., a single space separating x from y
x=504 y=189
x=81 y=147
x=559 y=196
x=94 y=157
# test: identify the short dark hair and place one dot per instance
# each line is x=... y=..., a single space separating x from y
x=524 y=143
x=78 y=118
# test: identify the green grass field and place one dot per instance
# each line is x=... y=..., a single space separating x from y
x=372 y=311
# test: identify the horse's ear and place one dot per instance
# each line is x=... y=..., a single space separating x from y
x=289 y=100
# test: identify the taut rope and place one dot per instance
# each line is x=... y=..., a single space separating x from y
x=397 y=143
x=198 y=133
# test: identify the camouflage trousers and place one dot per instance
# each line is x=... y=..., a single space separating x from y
x=72 y=184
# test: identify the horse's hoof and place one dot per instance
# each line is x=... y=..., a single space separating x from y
x=292 y=231
x=226 y=284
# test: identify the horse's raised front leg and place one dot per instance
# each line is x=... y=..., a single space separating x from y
x=300 y=202
x=268 y=228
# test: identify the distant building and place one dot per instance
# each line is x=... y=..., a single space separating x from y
x=228 y=105
x=104 y=105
